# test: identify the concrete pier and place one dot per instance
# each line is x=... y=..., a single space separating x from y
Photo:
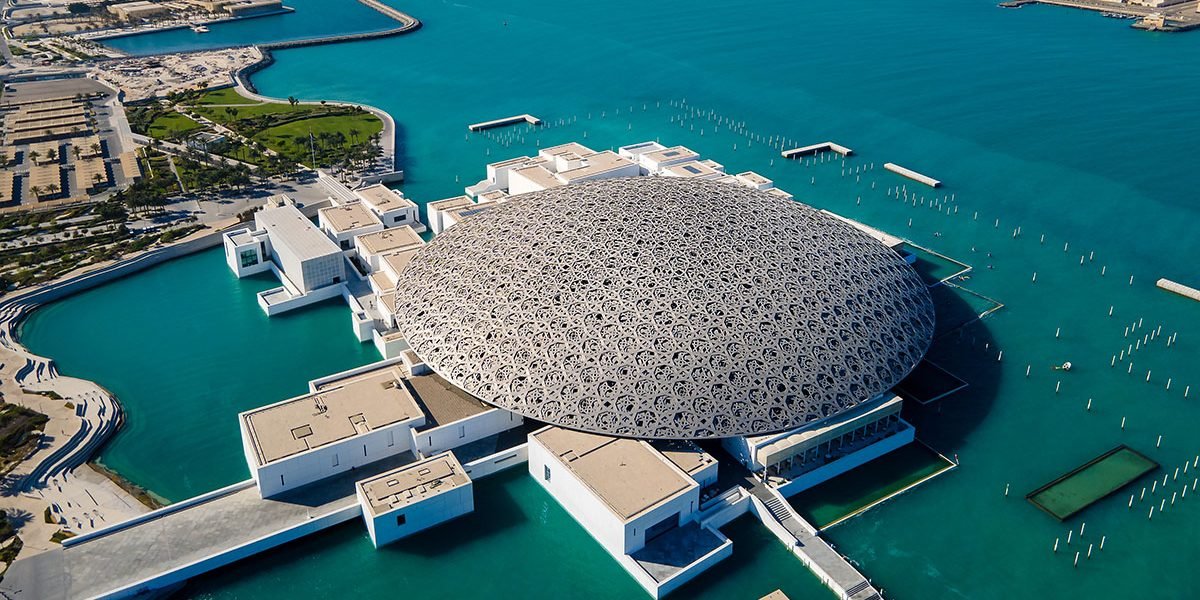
x=527 y=118
x=801 y=538
x=1179 y=288
x=911 y=174
x=816 y=149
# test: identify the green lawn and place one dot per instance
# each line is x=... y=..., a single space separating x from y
x=1093 y=481
x=281 y=138
x=833 y=500
x=223 y=96
x=171 y=125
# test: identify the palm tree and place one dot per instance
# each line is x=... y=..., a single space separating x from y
x=77 y=151
x=36 y=190
x=98 y=178
x=95 y=148
x=52 y=188
x=52 y=155
x=292 y=101
x=33 y=155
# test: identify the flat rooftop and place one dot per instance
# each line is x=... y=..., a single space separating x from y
x=391 y=240
x=383 y=198
x=692 y=168
x=449 y=203
x=595 y=164
x=329 y=415
x=537 y=174
x=672 y=154
x=413 y=483
x=686 y=455
x=628 y=475
x=396 y=261
x=574 y=147
x=443 y=402
x=288 y=227
x=348 y=217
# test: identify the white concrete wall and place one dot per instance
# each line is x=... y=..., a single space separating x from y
x=320 y=463
x=718 y=554
x=385 y=529
x=597 y=518
x=850 y=461
x=588 y=510
x=233 y=255
x=436 y=440
x=325 y=293
x=706 y=476
x=495 y=463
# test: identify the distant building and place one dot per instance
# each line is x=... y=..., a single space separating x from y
x=133 y=11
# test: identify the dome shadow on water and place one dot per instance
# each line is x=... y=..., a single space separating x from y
x=944 y=424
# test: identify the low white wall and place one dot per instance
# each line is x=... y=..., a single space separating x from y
x=317 y=295
x=312 y=385
x=220 y=559
x=155 y=514
x=495 y=463
x=718 y=554
x=436 y=440
x=848 y=462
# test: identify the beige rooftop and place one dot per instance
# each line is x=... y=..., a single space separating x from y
x=349 y=217
x=595 y=164
x=628 y=475
x=391 y=240
x=685 y=454
x=396 y=261
x=327 y=416
x=383 y=198
x=413 y=483
x=448 y=203
x=672 y=154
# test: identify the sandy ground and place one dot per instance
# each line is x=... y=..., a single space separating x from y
x=145 y=77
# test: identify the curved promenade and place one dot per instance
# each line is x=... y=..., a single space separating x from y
x=81 y=500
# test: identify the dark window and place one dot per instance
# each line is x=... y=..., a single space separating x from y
x=399 y=520
x=546 y=476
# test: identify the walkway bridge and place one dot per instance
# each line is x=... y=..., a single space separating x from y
x=166 y=547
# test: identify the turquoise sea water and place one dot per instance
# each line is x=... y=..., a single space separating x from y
x=1059 y=122
x=185 y=347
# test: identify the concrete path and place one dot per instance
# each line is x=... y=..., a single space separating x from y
x=178 y=542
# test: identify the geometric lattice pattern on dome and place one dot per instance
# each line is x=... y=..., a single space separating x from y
x=660 y=307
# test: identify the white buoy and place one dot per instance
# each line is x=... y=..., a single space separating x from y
x=1076 y=560
x=1027 y=369
x=1006 y=490
x=1089 y=554
x=1056 y=545
x=1057 y=386
x=1089 y=406
x=1102 y=538
x=1069 y=534
x=1123 y=429
x=1156 y=445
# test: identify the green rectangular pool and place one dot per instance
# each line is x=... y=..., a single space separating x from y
x=1064 y=497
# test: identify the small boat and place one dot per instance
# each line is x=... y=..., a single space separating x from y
x=199 y=28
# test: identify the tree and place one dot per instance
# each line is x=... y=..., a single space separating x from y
x=292 y=101
x=33 y=155
x=95 y=148
x=37 y=190
x=52 y=155
x=77 y=151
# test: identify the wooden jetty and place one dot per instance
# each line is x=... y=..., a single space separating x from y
x=911 y=174
x=1179 y=288
x=817 y=149
x=532 y=120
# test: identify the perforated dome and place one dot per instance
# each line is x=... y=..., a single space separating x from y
x=666 y=308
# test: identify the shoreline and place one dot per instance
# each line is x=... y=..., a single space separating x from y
x=77 y=473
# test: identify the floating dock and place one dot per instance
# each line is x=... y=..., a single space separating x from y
x=817 y=149
x=532 y=120
x=1179 y=288
x=911 y=174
